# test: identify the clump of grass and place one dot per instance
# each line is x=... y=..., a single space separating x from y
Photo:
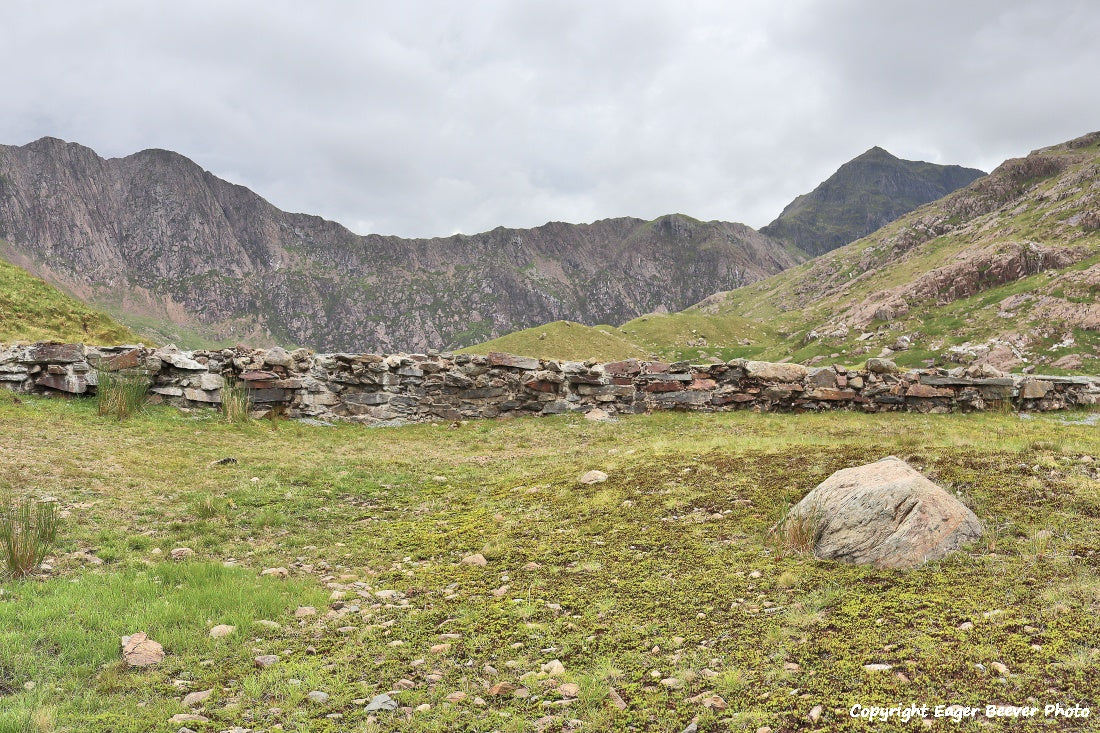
x=28 y=530
x=236 y=402
x=120 y=394
x=796 y=532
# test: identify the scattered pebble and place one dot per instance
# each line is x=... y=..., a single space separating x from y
x=266 y=660
x=138 y=650
x=196 y=699
x=554 y=667
x=188 y=718
x=593 y=477
x=222 y=630
x=381 y=702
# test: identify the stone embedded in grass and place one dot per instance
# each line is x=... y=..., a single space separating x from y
x=884 y=513
x=195 y=699
x=553 y=668
x=593 y=477
x=440 y=648
x=181 y=553
x=456 y=697
x=476 y=559
x=381 y=702
x=138 y=650
x=276 y=572
x=569 y=689
x=304 y=611
x=318 y=697
x=221 y=631
x=715 y=702
x=188 y=718
x=877 y=667
x=268 y=624
x=502 y=688
x=673 y=683
x=266 y=660
x=815 y=713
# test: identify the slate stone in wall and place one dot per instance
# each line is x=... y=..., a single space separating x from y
x=201 y=395
x=366 y=398
x=67 y=383
x=511 y=360
x=1033 y=389
x=60 y=353
x=775 y=372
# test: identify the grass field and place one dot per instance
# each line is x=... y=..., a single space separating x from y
x=656 y=588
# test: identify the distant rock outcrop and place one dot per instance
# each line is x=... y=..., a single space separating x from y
x=885 y=514
x=864 y=194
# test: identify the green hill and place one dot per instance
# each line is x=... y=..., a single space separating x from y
x=564 y=340
x=32 y=310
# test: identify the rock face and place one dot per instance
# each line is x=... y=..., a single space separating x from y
x=885 y=514
x=864 y=194
x=158 y=236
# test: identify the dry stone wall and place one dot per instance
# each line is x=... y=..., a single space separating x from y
x=399 y=388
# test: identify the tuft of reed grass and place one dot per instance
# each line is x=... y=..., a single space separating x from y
x=236 y=402
x=28 y=530
x=120 y=394
x=796 y=532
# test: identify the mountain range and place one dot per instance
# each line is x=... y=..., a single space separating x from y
x=1004 y=272
x=178 y=254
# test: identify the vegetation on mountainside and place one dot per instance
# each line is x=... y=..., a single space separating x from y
x=657 y=589
x=564 y=340
x=1014 y=256
x=32 y=310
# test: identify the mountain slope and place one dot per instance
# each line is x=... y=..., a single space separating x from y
x=864 y=194
x=32 y=310
x=153 y=238
x=1005 y=271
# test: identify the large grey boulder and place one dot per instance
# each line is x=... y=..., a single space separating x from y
x=886 y=514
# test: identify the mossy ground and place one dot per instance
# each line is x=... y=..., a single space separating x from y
x=664 y=571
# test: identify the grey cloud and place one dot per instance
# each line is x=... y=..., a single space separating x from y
x=431 y=117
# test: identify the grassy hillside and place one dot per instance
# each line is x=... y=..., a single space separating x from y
x=564 y=340
x=657 y=590
x=1009 y=265
x=32 y=310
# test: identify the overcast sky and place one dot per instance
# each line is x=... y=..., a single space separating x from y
x=428 y=118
